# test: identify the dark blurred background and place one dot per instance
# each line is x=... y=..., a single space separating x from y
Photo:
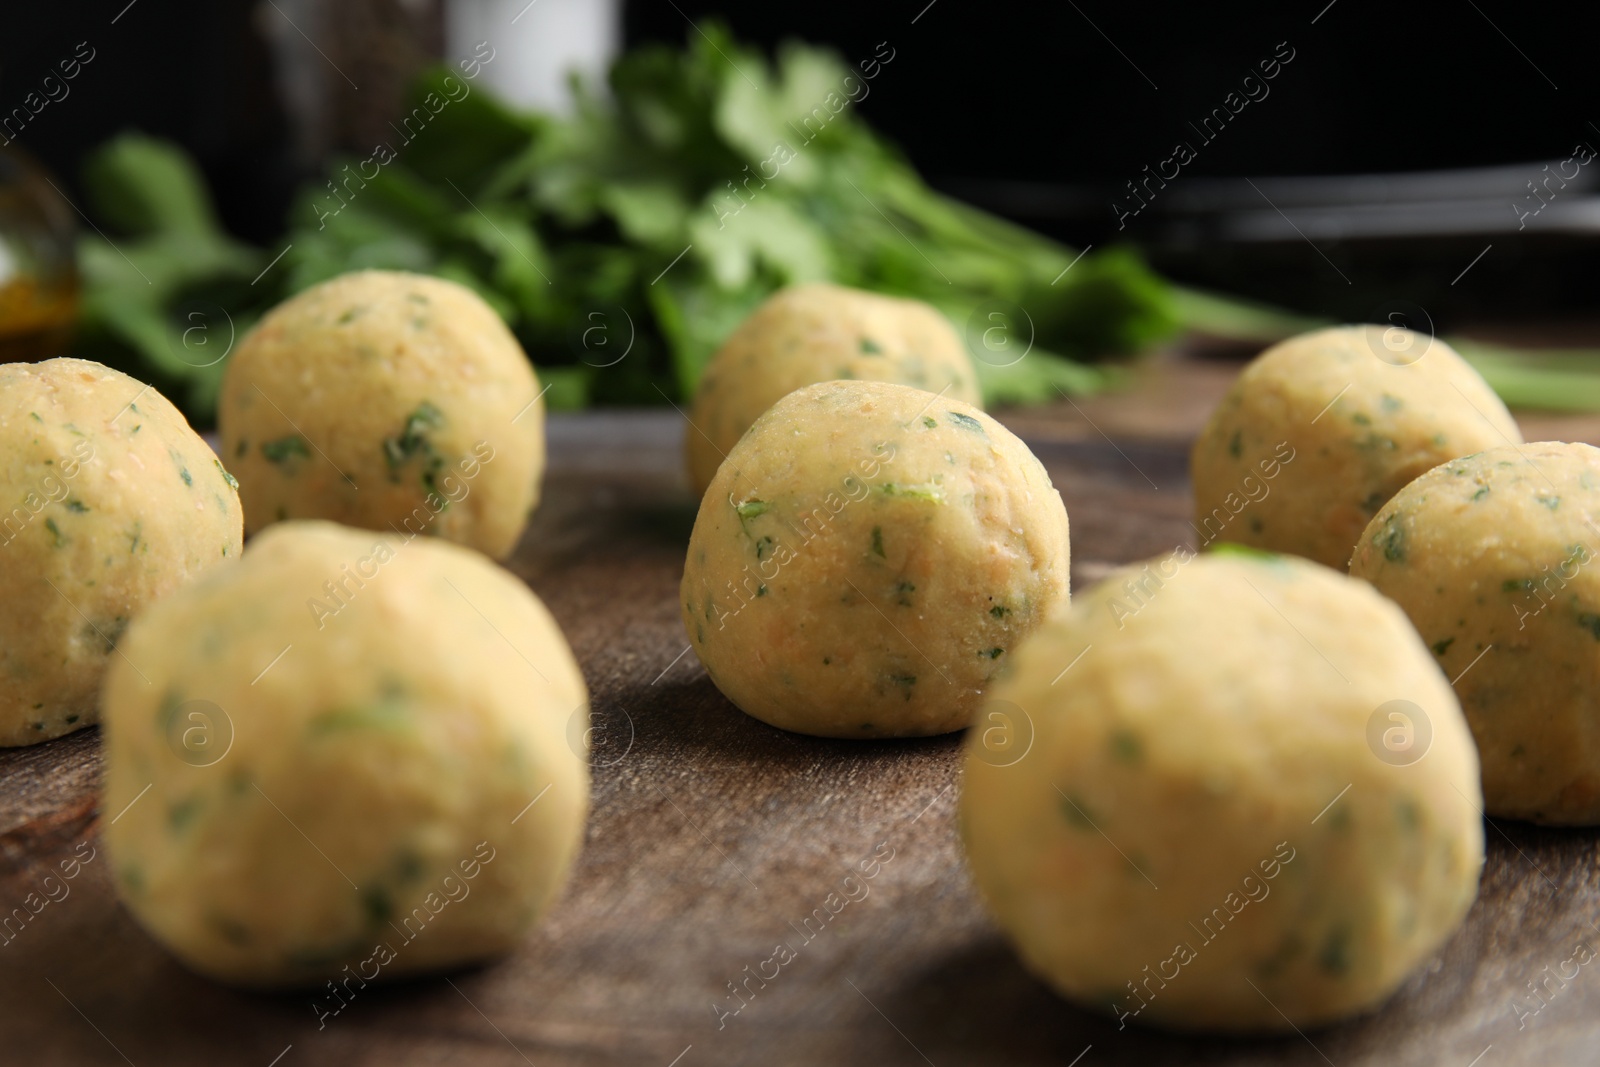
x=1040 y=112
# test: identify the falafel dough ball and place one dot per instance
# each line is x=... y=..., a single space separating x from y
x=816 y=333
x=1355 y=426
x=343 y=738
x=1494 y=557
x=867 y=558
x=1200 y=744
x=391 y=401
x=110 y=502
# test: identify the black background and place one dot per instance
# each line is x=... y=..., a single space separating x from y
x=980 y=95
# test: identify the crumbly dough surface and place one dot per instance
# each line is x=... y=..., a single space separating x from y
x=1349 y=428
x=815 y=333
x=347 y=753
x=1496 y=559
x=109 y=502
x=867 y=560
x=1194 y=805
x=392 y=401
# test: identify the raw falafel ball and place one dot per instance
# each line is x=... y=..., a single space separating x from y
x=816 y=333
x=392 y=401
x=1174 y=808
x=867 y=558
x=112 y=501
x=1493 y=557
x=1352 y=413
x=349 y=750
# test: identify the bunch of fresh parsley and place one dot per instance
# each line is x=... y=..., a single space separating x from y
x=621 y=244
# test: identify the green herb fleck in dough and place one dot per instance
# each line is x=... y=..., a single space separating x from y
x=55 y=532
x=1441 y=647
x=1234 y=548
x=929 y=421
x=348 y=317
x=1517 y=585
x=408 y=866
x=181 y=814
x=413 y=440
x=75 y=505
x=1360 y=419
x=385 y=715
x=870 y=347
x=1126 y=746
x=993 y=653
x=231 y=930
x=1407 y=814
x=905 y=681
x=762 y=544
x=1374 y=501
x=752 y=508
x=966 y=422
x=1076 y=813
x=761 y=590
x=1236 y=444
x=135 y=536
x=377 y=906
x=71 y=719
x=1290 y=947
x=931 y=493
x=1335 y=955
x=1379 y=442
x=999 y=611
x=1393 y=540
x=183 y=470
x=1590 y=622
x=1551 y=502
x=167 y=712
x=1390 y=403
x=285 y=450
x=1481 y=493
x=233 y=482
x=903 y=590
x=34 y=415
x=244 y=446
x=877 y=541
x=108 y=633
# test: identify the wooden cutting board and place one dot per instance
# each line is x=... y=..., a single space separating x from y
x=713 y=836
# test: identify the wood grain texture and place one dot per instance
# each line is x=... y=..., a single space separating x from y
x=712 y=839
